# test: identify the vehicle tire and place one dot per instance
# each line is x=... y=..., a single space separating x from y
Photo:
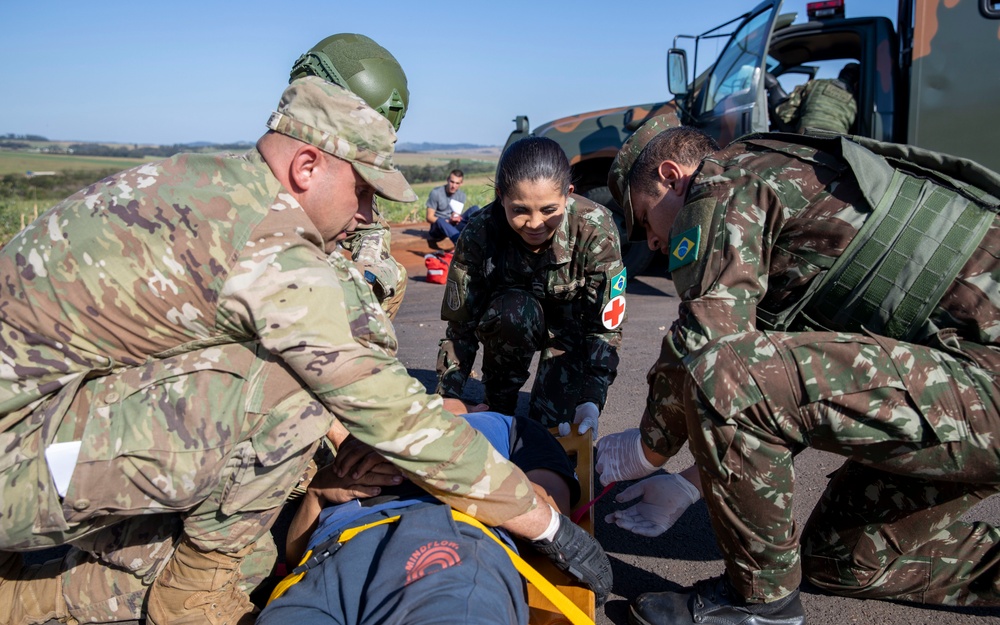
x=636 y=255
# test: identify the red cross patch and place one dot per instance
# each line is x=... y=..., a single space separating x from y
x=613 y=313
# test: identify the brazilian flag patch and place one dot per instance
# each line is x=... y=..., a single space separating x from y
x=618 y=284
x=684 y=248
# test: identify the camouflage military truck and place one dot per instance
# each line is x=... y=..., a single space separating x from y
x=928 y=80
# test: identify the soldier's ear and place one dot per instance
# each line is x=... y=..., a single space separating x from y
x=306 y=164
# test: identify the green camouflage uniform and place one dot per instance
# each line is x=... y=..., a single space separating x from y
x=568 y=302
x=182 y=319
x=917 y=421
x=820 y=104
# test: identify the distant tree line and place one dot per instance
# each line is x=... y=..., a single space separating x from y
x=11 y=135
x=439 y=173
x=159 y=151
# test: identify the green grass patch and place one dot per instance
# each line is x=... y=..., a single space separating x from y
x=21 y=162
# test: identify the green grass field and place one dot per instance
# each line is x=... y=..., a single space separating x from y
x=21 y=162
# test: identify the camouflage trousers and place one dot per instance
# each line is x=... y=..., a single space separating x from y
x=206 y=443
x=920 y=427
x=512 y=330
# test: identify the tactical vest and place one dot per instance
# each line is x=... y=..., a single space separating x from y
x=821 y=104
x=929 y=212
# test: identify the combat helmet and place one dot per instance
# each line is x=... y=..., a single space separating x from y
x=357 y=63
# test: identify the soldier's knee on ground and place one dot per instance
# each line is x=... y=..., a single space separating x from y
x=31 y=594
x=514 y=320
x=201 y=587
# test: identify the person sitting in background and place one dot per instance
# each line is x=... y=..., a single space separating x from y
x=446 y=212
x=424 y=564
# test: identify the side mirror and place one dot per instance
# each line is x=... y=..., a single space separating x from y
x=677 y=71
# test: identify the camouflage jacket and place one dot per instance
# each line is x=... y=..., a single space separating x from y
x=820 y=104
x=574 y=279
x=774 y=216
x=200 y=250
x=370 y=248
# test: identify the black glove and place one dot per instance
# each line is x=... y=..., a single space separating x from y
x=575 y=552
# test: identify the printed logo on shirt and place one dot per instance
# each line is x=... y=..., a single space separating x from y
x=618 y=283
x=613 y=313
x=684 y=248
x=435 y=556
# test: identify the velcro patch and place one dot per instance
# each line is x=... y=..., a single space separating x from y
x=684 y=248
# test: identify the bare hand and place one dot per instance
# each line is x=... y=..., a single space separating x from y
x=329 y=488
x=355 y=459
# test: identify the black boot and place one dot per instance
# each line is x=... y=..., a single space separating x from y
x=713 y=602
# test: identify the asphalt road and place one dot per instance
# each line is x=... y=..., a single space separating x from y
x=687 y=552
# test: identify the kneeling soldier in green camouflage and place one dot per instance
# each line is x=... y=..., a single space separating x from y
x=537 y=270
x=176 y=340
x=837 y=293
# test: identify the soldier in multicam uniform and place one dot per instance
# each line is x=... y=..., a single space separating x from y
x=358 y=64
x=837 y=293
x=176 y=340
x=539 y=269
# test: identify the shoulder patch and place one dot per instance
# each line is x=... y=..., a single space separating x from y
x=684 y=248
x=618 y=283
x=613 y=313
x=451 y=298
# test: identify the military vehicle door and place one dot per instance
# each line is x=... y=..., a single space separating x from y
x=731 y=102
x=955 y=78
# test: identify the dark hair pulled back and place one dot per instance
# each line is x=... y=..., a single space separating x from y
x=533 y=158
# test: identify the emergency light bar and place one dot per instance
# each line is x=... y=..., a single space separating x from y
x=827 y=9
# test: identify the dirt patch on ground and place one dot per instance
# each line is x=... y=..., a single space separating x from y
x=410 y=245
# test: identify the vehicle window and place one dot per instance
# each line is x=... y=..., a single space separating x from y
x=735 y=69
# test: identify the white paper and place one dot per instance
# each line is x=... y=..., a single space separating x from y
x=61 y=458
x=456 y=206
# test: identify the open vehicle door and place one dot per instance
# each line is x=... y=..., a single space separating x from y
x=730 y=101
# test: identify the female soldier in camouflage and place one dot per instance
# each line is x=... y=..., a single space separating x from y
x=537 y=270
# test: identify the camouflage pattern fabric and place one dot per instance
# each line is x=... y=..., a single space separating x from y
x=577 y=283
x=820 y=104
x=182 y=319
x=370 y=248
x=912 y=414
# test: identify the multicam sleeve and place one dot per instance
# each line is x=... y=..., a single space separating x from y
x=317 y=314
x=603 y=314
x=465 y=295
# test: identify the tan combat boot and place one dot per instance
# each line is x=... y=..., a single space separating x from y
x=198 y=587
x=31 y=594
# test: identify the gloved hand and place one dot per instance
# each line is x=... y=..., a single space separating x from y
x=576 y=553
x=620 y=457
x=586 y=418
x=664 y=500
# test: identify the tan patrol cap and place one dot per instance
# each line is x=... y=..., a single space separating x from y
x=622 y=165
x=342 y=124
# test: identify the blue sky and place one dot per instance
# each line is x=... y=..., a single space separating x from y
x=184 y=71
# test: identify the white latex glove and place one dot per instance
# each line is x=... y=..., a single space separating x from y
x=586 y=418
x=620 y=457
x=664 y=500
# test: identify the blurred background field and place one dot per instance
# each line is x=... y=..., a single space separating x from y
x=53 y=177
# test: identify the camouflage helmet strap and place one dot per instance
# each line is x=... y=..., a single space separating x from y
x=319 y=64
